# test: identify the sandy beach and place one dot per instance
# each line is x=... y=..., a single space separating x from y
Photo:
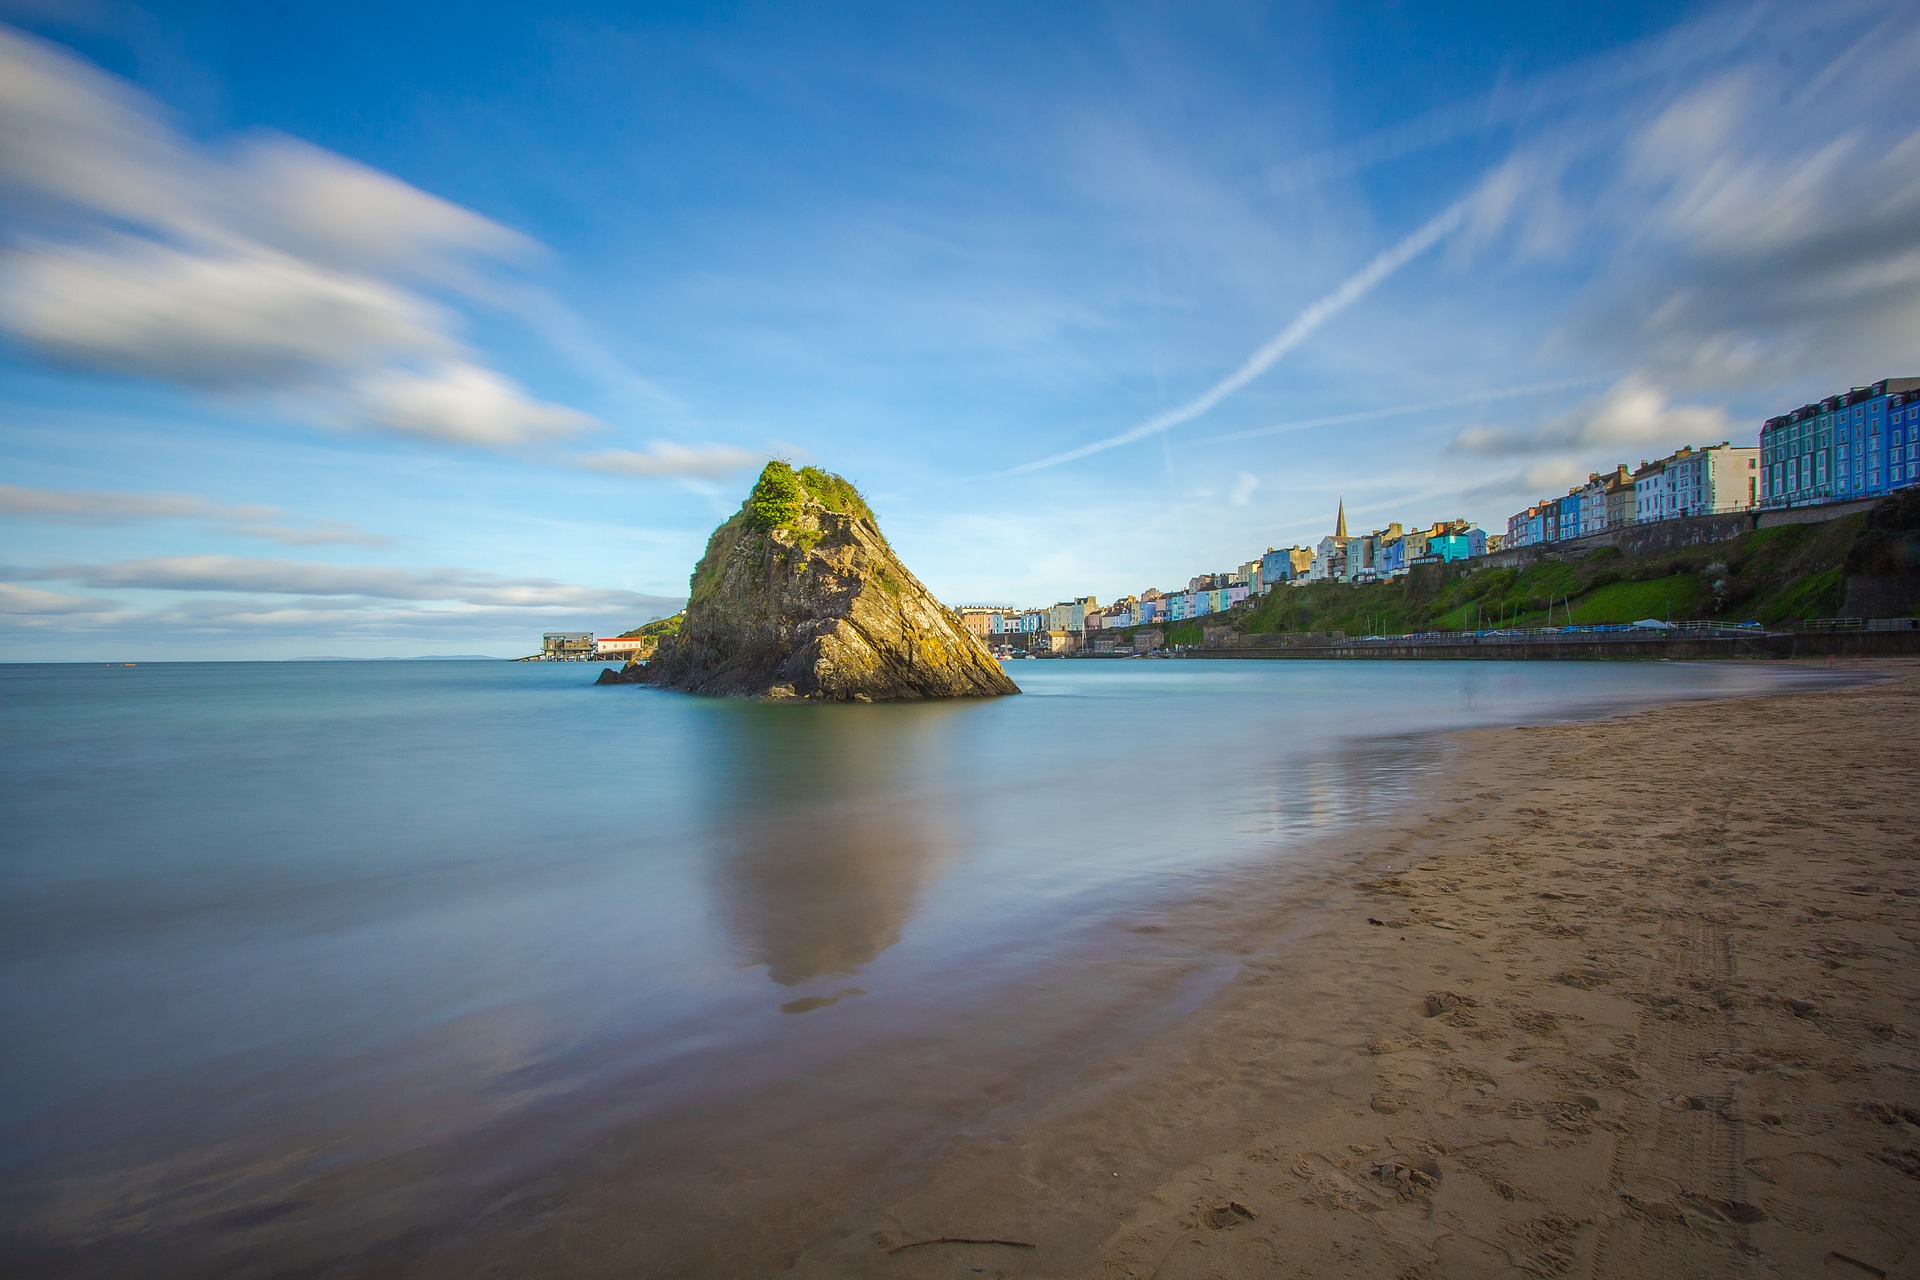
x=1621 y=998
x=1625 y=999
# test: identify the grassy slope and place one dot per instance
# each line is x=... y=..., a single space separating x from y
x=1770 y=575
x=655 y=630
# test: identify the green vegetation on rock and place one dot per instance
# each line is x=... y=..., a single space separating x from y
x=720 y=545
x=777 y=498
x=782 y=494
x=835 y=493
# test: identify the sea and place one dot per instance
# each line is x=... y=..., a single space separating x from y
x=293 y=948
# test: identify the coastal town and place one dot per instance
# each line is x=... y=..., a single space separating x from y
x=1848 y=448
x=1825 y=458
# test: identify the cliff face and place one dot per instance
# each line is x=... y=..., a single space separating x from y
x=799 y=596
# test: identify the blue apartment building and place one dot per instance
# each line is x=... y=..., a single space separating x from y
x=1568 y=515
x=1903 y=438
x=1457 y=546
x=1276 y=567
x=1393 y=558
x=1856 y=445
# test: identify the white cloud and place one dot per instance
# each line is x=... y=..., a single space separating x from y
x=664 y=459
x=32 y=601
x=316 y=533
x=1631 y=413
x=1770 y=225
x=209 y=318
x=79 y=139
x=139 y=252
x=66 y=627
x=282 y=608
x=331 y=210
x=251 y=576
x=463 y=403
x=97 y=507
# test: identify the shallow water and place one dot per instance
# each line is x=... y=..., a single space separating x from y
x=263 y=924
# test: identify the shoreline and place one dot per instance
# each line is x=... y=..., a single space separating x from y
x=1182 y=1056
x=1662 y=1050
x=1494 y=1075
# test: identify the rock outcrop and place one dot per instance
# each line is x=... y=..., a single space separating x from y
x=799 y=596
x=1883 y=565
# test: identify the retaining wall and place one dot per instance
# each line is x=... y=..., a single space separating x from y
x=1773 y=519
x=1653 y=538
x=1661 y=536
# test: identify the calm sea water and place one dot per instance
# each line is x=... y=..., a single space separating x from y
x=262 y=923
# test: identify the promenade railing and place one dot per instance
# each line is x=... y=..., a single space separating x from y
x=1510 y=635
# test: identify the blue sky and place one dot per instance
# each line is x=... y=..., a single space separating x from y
x=420 y=328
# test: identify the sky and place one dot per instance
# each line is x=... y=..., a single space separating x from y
x=415 y=328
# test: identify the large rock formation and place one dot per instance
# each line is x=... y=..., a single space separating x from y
x=799 y=596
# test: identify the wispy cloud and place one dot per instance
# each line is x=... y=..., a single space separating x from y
x=1761 y=224
x=458 y=402
x=101 y=508
x=251 y=576
x=1755 y=227
x=272 y=606
x=21 y=601
x=1350 y=291
x=1404 y=410
x=1591 y=83
x=1631 y=413
x=267 y=265
x=711 y=462
x=264 y=267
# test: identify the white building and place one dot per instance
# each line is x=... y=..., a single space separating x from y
x=1652 y=493
x=1697 y=482
x=1593 y=508
x=1722 y=477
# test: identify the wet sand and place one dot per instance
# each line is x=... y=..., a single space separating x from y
x=1625 y=998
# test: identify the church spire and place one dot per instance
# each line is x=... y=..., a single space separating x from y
x=1340 y=522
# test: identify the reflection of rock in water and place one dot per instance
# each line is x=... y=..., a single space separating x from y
x=831 y=821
